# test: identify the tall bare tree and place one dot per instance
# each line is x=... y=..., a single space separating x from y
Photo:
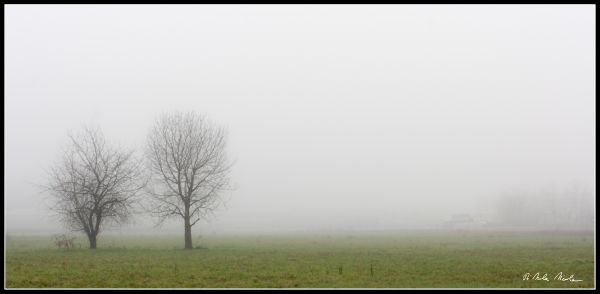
x=189 y=166
x=94 y=183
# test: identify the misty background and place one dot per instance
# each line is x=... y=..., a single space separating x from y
x=357 y=117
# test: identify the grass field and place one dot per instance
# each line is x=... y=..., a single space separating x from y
x=367 y=260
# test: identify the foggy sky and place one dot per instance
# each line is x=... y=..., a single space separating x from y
x=339 y=117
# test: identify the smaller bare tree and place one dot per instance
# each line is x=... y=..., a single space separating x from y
x=94 y=184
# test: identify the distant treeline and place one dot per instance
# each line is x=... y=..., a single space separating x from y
x=571 y=208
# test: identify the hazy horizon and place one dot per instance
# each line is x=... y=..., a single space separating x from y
x=339 y=117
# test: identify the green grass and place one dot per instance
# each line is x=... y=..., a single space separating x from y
x=399 y=260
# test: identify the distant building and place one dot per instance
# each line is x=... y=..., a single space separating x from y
x=464 y=222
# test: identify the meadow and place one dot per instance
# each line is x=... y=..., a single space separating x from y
x=344 y=260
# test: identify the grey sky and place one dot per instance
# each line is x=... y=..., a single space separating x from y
x=338 y=116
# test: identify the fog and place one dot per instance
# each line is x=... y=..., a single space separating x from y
x=356 y=117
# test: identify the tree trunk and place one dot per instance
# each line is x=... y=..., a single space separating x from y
x=92 y=239
x=188 y=235
x=188 y=228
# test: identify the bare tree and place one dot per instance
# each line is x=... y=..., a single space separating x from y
x=94 y=184
x=189 y=167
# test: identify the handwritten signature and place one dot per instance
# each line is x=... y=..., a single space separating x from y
x=544 y=277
